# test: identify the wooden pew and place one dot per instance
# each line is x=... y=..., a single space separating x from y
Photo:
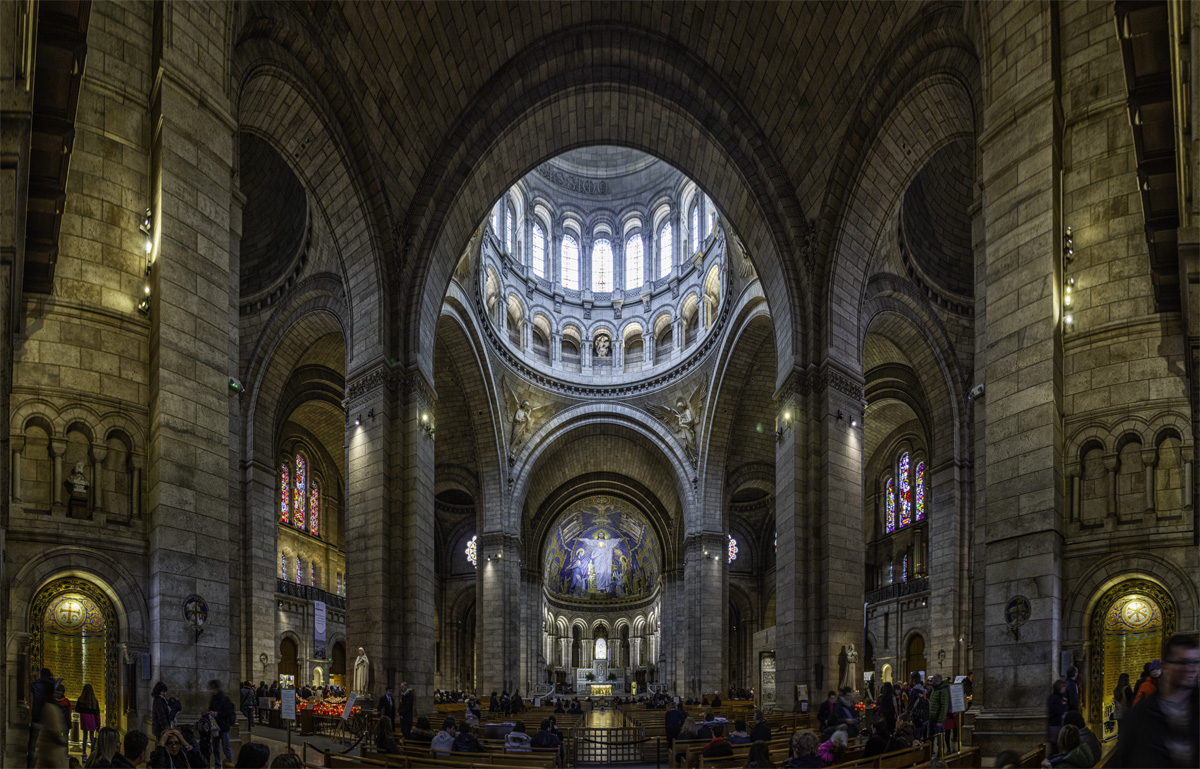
x=1034 y=758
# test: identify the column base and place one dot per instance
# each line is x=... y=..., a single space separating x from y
x=999 y=729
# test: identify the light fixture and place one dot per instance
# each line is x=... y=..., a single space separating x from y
x=358 y=419
x=782 y=425
x=839 y=415
x=147 y=225
x=853 y=422
x=143 y=304
x=427 y=426
x=1068 y=246
x=236 y=386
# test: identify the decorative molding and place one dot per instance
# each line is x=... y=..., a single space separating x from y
x=371 y=381
x=572 y=183
x=816 y=381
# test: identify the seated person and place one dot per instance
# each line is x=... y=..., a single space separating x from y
x=689 y=732
x=719 y=747
x=466 y=742
x=760 y=731
x=443 y=742
x=544 y=739
x=802 y=751
x=739 y=736
x=422 y=732
x=517 y=741
x=716 y=700
x=558 y=707
x=827 y=713
x=385 y=736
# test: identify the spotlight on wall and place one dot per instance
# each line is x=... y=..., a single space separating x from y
x=143 y=304
x=147 y=225
x=839 y=415
x=236 y=386
x=358 y=420
x=1068 y=246
x=854 y=421
x=976 y=392
x=427 y=426
x=783 y=424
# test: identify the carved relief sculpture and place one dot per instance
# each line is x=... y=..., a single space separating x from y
x=684 y=419
x=78 y=481
x=522 y=419
x=603 y=346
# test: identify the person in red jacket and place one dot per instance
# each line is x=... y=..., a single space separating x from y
x=719 y=747
x=1150 y=685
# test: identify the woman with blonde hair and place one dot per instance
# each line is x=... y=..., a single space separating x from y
x=105 y=744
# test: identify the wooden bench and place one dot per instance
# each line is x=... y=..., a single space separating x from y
x=1034 y=758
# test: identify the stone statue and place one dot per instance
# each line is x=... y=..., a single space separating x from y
x=684 y=419
x=78 y=481
x=852 y=668
x=843 y=673
x=362 y=671
x=602 y=346
x=522 y=418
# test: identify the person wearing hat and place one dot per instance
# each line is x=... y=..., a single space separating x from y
x=1150 y=685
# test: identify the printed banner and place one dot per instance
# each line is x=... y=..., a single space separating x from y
x=319 y=629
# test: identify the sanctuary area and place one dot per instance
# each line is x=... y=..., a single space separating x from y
x=607 y=351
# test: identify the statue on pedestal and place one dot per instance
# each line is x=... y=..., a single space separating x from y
x=78 y=481
x=362 y=671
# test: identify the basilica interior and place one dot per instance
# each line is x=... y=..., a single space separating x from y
x=598 y=349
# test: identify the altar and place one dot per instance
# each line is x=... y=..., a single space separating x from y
x=600 y=680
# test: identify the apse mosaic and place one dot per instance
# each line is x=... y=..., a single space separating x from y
x=73 y=614
x=602 y=551
x=1133 y=614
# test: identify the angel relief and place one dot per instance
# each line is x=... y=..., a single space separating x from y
x=523 y=418
x=684 y=419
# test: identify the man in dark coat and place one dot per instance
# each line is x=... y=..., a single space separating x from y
x=673 y=721
x=406 y=710
x=220 y=706
x=387 y=705
x=1163 y=730
x=43 y=692
x=760 y=731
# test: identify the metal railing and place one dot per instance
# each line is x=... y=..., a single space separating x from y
x=309 y=593
x=898 y=590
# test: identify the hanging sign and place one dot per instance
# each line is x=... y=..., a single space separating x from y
x=319 y=628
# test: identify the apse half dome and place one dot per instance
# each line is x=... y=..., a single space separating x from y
x=601 y=550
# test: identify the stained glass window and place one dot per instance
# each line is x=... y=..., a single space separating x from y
x=904 y=569
x=695 y=227
x=539 y=251
x=905 y=492
x=602 y=266
x=633 y=262
x=891 y=572
x=312 y=575
x=471 y=551
x=282 y=566
x=301 y=485
x=920 y=484
x=666 y=246
x=299 y=571
x=891 y=505
x=570 y=262
x=285 y=493
x=733 y=550
x=314 y=510
x=508 y=232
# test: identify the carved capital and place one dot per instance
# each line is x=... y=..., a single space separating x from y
x=417 y=390
x=370 y=381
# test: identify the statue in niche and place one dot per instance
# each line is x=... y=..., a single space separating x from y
x=78 y=481
x=603 y=347
x=848 y=668
x=362 y=670
x=684 y=419
x=522 y=419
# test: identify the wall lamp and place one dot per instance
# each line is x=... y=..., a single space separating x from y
x=1068 y=283
x=784 y=424
x=427 y=426
x=146 y=227
x=358 y=419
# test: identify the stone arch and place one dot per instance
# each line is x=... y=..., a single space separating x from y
x=670 y=94
x=448 y=476
x=925 y=93
x=284 y=93
x=1106 y=572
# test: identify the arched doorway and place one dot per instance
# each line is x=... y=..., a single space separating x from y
x=914 y=660
x=337 y=668
x=288 y=669
x=74 y=632
x=1128 y=625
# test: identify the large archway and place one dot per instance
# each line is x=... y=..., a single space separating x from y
x=1126 y=630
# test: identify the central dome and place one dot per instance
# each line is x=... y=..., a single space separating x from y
x=602 y=266
x=601 y=550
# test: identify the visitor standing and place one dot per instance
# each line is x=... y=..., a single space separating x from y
x=406 y=709
x=160 y=711
x=886 y=705
x=939 y=704
x=1150 y=684
x=247 y=694
x=387 y=704
x=1122 y=697
x=221 y=706
x=673 y=721
x=1056 y=707
x=88 y=708
x=1072 y=688
x=42 y=694
x=1164 y=729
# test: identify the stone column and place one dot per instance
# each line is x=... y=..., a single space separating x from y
x=555 y=348
x=57 y=449
x=678 y=333
x=188 y=462
x=1019 y=550
x=648 y=348
x=498 y=612
x=585 y=354
x=1149 y=460
x=705 y=602
x=17 y=446
x=99 y=452
x=372 y=571
x=618 y=355
x=135 y=487
x=414 y=543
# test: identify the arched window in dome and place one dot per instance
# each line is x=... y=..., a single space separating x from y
x=509 y=226
x=666 y=247
x=694 y=218
x=633 y=262
x=539 y=251
x=602 y=267
x=496 y=220
x=570 y=262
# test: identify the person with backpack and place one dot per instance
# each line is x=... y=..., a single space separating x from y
x=248 y=704
x=938 y=704
x=918 y=709
x=221 y=707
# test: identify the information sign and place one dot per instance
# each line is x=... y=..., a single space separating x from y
x=958 y=700
x=287 y=699
x=349 y=706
